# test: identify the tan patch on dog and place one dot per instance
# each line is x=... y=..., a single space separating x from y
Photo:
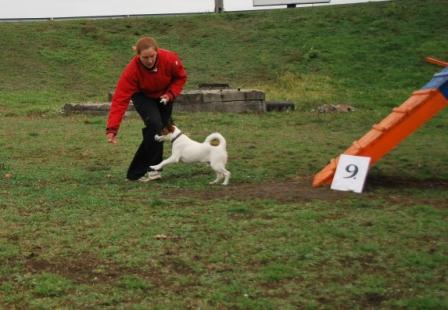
x=168 y=129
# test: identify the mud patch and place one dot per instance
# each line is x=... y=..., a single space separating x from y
x=86 y=268
x=89 y=269
x=399 y=182
x=300 y=189
x=293 y=190
x=83 y=269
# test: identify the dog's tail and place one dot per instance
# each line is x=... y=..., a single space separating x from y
x=216 y=136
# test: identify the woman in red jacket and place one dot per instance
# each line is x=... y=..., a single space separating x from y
x=152 y=80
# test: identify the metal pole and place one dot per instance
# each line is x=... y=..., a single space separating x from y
x=219 y=6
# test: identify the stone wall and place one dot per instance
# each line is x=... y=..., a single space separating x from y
x=221 y=100
x=202 y=100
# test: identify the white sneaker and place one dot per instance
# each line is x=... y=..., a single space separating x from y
x=150 y=176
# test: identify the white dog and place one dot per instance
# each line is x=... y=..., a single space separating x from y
x=187 y=150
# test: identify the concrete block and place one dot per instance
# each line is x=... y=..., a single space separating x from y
x=232 y=95
x=190 y=97
x=191 y=107
x=280 y=106
x=200 y=100
x=237 y=107
x=90 y=108
x=253 y=94
x=229 y=107
x=211 y=95
x=86 y=108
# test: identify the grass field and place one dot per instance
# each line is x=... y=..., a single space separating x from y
x=75 y=235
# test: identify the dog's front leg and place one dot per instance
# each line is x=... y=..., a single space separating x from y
x=169 y=160
x=159 y=138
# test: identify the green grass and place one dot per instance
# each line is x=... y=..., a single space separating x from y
x=75 y=234
x=342 y=54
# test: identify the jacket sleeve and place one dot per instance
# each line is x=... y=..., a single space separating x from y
x=179 y=78
x=127 y=85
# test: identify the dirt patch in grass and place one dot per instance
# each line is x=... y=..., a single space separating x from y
x=89 y=269
x=300 y=190
x=284 y=191
x=83 y=269
x=403 y=182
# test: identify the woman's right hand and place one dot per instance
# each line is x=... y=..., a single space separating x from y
x=111 y=138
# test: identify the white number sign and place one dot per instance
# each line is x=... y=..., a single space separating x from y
x=351 y=173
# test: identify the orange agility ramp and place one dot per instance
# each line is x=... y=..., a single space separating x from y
x=436 y=61
x=400 y=123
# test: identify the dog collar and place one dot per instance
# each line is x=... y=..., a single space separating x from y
x=175 y=138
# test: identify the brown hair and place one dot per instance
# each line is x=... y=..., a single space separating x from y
x=144 y=43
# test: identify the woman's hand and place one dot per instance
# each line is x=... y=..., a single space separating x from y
x=166 y=98
x=111 y=138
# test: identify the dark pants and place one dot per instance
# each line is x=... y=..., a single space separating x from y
x=155 y=115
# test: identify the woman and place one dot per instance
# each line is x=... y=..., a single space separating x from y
x=152 y=79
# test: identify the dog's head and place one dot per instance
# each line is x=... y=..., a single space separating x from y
x=168 y=129
x=167 y=133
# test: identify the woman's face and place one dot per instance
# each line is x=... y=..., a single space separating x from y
x=148 y=57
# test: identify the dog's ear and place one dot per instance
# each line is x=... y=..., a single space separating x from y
x=170 y=127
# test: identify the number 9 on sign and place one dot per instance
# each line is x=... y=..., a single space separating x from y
x=352 y=169
x=351 y=173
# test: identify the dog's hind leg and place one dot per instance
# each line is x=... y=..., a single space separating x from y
x=221 y=173
x=219 y=177
x=226 y=176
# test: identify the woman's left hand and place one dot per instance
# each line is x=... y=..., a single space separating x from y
x=165 y=99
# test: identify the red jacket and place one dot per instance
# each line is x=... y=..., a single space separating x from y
x=168 y=77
